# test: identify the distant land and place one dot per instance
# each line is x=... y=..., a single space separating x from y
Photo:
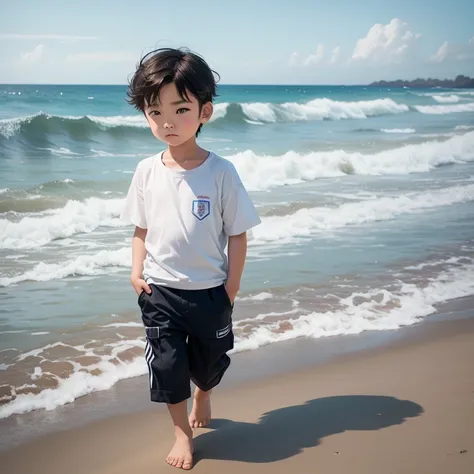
x=461 y=82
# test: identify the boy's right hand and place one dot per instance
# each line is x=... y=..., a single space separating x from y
x=139 y=285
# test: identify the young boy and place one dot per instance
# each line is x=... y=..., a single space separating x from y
x=187 y=205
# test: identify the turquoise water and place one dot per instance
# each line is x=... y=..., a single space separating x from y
x=366 y=197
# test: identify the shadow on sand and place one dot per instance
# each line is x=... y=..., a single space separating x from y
x=282 y=433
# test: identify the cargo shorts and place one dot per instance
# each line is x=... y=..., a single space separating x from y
x=188 y=334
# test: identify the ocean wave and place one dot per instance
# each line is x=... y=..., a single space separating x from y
x=307 y=222
x=446 y=93
x=398 y=130
x=464 y=127
x=75 y=217
x=445 y=109
x=316 y=109
x=275 y=229
x=261 y=172
x=446 y=99
x=375 y=309
x=381 y=309
x=84 y=265
x=258 y=172
x=80 y=127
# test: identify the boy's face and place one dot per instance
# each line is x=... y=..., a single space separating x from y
x=174 y=120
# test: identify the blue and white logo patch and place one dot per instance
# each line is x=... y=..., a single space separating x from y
x=201 y=208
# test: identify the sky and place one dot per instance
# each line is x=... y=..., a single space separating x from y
x=246 y=42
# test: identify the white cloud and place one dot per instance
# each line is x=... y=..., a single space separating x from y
x=297 y=59
x=19 y=36
x=467 y=52
x=441 y=54
x=102 y=57
x=387 y=43
x=448 y=51
x=335 y=55
x=315 y=58
x=294 y=58
x=33 y=56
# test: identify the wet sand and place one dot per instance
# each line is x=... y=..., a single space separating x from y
x=402 y=407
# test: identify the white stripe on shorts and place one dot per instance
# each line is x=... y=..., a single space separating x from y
x=149 y=356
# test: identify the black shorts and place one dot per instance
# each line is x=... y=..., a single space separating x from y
x=188 y=333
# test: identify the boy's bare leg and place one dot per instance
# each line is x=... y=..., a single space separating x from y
x=201 y=411
x=181 y=456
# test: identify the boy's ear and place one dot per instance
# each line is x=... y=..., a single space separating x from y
x=206 y=112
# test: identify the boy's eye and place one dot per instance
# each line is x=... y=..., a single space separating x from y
x=154 y=112
x=182 y=110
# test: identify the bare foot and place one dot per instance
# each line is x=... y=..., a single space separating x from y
x=181 y=456
x=201 y=411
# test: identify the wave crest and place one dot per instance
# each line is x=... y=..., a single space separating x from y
x=41 y=124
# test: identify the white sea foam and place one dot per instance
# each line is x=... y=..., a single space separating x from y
x=309 y=221
x=9 y=127
x=119 y=120
x=445 y=109
x=90 y=265
x=434 y=263
x=380 y=310
x=258 y=297
x=437 y=94
x=398 y=130
x=75 y=217
x=260 y=172
x=446 y=99
x=336 y=110
x=131 y=324
x=320 y=109
x=60 y=151
x=370 y=310
x=80 y=383
x=219 y=111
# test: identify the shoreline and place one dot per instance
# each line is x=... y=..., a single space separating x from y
x=359 y=412
x=130 y=396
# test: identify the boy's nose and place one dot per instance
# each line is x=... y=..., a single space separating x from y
x=168 y=125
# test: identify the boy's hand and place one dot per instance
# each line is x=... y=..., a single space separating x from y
x=139 y=285
x=231 y=292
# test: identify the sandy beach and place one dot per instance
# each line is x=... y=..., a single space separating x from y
x=406 y=407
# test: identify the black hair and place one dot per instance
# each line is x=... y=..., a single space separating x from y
x=188 y=71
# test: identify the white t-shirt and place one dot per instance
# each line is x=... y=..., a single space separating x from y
x=189 y=215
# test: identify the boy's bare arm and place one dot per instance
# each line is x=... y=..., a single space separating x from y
x=237 y=253
x=138 y=257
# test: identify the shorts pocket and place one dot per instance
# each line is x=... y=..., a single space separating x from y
x=222 y=342
x=221 y=333
x=141 y=295
x=152 y=332
x=226 y=297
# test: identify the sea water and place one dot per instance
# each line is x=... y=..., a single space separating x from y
x=365 y=194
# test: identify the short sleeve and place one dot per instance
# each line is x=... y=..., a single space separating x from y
x=238 y=211
x=134 y=207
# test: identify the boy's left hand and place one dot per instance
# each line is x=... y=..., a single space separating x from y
x=231 y=292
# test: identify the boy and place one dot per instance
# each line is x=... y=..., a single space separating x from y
x=187 y=205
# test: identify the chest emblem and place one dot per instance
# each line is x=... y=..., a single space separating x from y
x=201 y=208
